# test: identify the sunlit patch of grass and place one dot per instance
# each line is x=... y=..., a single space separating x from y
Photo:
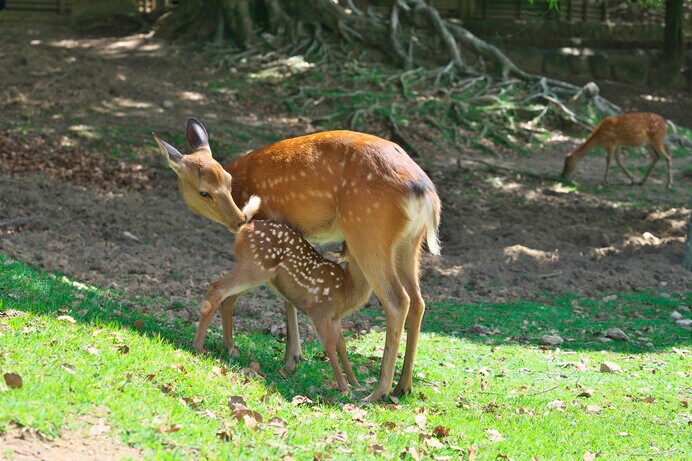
x=482 y=381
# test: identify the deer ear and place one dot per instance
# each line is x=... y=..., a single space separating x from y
x=197 y=136
x=171 y=154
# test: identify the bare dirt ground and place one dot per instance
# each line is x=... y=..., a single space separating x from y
x=84 y=192
x=89 y=442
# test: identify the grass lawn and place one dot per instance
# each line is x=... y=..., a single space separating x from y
x=484 y=387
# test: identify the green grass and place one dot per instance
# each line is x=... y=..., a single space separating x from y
x=467 y=383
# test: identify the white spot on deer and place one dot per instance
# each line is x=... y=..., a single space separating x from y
x=369 y=177
x=325 y=292
x=303 y=174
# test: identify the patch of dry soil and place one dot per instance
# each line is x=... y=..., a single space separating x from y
x=90 y=443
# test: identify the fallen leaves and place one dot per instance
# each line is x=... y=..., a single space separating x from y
x=375 y=448
x=441 y=432
x=421 y=421
x=356 y=413
x=341 y=436
x=13 y=380
x=67 y=318
x=168 y=428
x=551 y=340
x=494 y=435
x=610 y=367
x=558 y=405
x=301 y=400
x=241 y=412
x=225 y=434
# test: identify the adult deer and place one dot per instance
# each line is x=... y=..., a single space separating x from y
x=332 y=186
x=628 y=130
x=274 y=253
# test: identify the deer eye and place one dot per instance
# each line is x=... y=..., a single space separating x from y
x=205 y=194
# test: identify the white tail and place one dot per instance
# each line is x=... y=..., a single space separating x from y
x=269 y=252
x=628 y=130
x=251 y=207
x=331 y=187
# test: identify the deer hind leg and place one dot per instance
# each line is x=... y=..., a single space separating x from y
x=658 y=149
x=237 y=282
x=329 y=341
x=655 y=155
x=341 y=349
x=609 y=155
x=621 y=165
x=408 y=270
x=373 y=250
x=294 y=353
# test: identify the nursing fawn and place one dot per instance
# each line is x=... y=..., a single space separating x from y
x=274 y=253
x=628 y=130
x=333 y=186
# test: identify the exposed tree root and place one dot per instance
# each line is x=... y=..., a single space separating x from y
x=475 y=85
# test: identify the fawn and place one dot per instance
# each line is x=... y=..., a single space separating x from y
x=333 y=186
x=274 y=253
x=628 y=130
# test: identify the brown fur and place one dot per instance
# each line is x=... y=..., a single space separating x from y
x=628 y=130
x=268 y=252
x=331 y=187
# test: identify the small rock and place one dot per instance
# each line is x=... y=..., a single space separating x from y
x=616 y=334
x=685 y=323
x=603 y=339
x=675 y=316
x=683 y=308
x=131 y=236
x=168 y=104
x=551 y=340
x=477 y=328
x=609 y=298
x=610 y=367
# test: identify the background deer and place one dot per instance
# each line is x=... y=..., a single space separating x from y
x=331 y=187
x=273 y=253
x=628 y=130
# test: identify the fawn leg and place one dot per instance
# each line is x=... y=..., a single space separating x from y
x=341 y=349
x=227 y=308
x=234 y=284
x=328 y=339
x=622 y=166
x=294 y=354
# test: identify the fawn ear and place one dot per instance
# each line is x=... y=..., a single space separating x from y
x=197 y=136
x=173 y=157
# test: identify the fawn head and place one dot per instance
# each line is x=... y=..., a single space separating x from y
x=205 y=185
x=570 y=164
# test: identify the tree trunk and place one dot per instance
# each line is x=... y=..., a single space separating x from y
x=672 y=34
x=687 y=255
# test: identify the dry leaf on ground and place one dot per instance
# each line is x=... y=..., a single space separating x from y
x=13 y=380
x=610 y=367
x=494 y=435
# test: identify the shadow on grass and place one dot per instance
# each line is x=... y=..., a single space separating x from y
x=643 y=317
